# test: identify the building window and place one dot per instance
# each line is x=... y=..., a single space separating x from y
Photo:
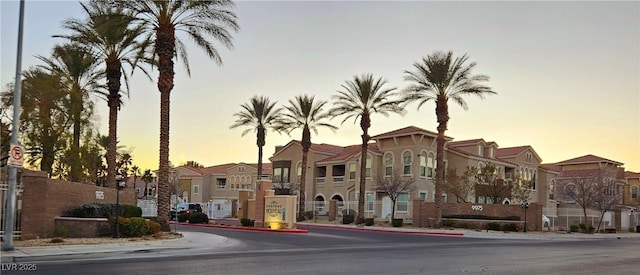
x=277 y=175
x=369 y=201
x=552 y=190
x=196 y=189
x=422 y=195
x=480 y=153
x=431 y=164
x=368 y=168
x=570 y=193
x=241 y=169
x=298 y=172
x=352 y=171
x=423 y=166
x=402 y=204
x=388 y=165
x=221 y=183
x=407 y=159
x=634 y=192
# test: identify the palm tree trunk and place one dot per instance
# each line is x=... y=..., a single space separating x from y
x=165 y=46
x=74 y=157
x=442 y=114
x=260 y=142
x=306 y=144
x=113 y=83
x=365 y=123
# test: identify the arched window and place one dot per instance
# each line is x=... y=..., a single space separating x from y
x=634 y=192
x=423 y=165
x=388 y=164
x=431 y=164
x=407 y=159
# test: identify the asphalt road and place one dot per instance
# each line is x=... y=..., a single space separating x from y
x=335 y=251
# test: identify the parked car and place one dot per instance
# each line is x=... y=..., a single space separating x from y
x=184 y=208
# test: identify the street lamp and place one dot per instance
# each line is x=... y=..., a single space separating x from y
x=119 y=185
x=525 y=205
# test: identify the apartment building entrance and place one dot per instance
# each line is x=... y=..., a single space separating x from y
x=387 y=205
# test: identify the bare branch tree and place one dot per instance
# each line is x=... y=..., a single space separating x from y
x=460 y=186
x=393 y=186
x=497 y=189
x=596 y=189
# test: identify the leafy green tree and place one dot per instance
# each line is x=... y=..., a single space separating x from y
x=44 y=119
x=147 y=177
x=440 y=77
x=193 y=163
x=258 y=115
x=360 y=98
x=108 y=31
x=78 y=67
x=161 y=20
x=306 y=114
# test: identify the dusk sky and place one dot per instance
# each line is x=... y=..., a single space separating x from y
x=567 y=73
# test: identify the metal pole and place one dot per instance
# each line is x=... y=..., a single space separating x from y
x=7 y=245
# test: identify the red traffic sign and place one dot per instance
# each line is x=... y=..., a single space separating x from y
x=16 y=156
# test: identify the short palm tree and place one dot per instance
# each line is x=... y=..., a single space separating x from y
x=78 y=66
x=360 y=98
x=109 y=32
x=162 y=20
x=440 y=77
x=306 y=114
x=258 y=115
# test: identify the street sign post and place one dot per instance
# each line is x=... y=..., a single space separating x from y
x=16 y=156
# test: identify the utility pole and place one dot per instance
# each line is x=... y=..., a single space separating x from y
x=7 y=245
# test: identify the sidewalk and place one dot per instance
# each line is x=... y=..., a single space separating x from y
x=198 y=240
x=190 y=240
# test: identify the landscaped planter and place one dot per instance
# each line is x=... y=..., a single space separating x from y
x=83 y=227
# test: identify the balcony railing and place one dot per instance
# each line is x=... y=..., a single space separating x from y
x=320 y=179
x=338 y=179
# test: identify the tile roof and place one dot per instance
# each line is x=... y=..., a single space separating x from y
x=465 y=153
x=587 y=159
x=631 y=175
x=511 y=151
x=579 y=173
x=352 y=150
x=465 y=142
x=407 y=131
x=222 y=168
x=550 y=167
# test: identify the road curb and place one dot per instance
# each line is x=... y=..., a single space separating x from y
x=448 y=234
x=244 y=228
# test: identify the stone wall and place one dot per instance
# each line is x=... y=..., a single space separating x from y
x=84 y=227
x=43 y=199
x=423 y=212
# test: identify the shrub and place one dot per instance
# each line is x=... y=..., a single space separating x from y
x=129 y=211
x=510 y=227
x=448 y=223
x=56 y=240
x=198 y=217
x=631 y=229
x=396 y=222
x=494 y=226
x=465 y=225
x=154 y=227
x=583 y=226
x=61 y=231
x=308 y=215
x=480 y=217
x=247 y=222
x=347 y=219
x=574 y=228
x=136 y=227
x=183 y=217
x=368 y=221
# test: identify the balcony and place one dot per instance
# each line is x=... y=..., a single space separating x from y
x=338 y=179
x=320 y=180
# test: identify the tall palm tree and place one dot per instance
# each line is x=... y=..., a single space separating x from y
x=258 y=115
x=78 y=66
x=308 y=115
x=439 y=78
x=109 y=32
x=161 y=20
x=362 y=97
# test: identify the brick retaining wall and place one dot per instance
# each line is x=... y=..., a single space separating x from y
x=43 y=199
